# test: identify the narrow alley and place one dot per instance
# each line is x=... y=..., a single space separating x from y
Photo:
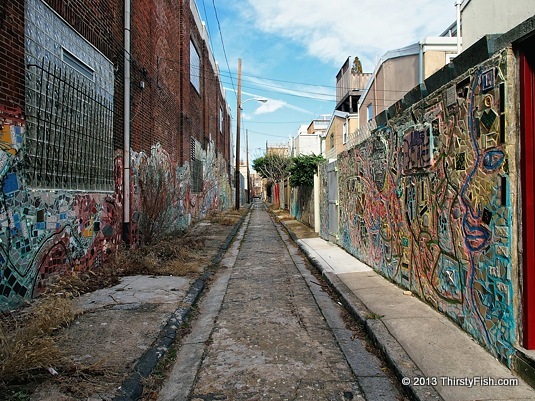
x=267 y=331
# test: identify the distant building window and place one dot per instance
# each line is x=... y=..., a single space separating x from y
x=194 y=67
x=221 y=121
x=344 y=132
x=370 y=111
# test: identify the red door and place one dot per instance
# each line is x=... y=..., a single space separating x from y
x=527 y=116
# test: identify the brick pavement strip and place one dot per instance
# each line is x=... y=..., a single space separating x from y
x=269 y=339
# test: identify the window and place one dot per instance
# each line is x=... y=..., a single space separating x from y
x=196 y=168
x=194 y=67
x=332 y=141
x=369 y=110
x=344 y=132
x=76 y=64
x=196 y=176
x=221 y=121
x=70 y=138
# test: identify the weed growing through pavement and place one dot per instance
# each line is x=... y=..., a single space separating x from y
x=28 y=340
x=373 y=315
x=30 y=337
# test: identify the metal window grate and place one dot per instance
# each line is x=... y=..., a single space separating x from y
x=70 y=131
x=196 y=176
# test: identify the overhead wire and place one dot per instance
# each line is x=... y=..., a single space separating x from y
x=207 y=25
x=257 y=85
x=223 y=45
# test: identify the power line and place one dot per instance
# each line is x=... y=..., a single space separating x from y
x=271 y=135
x=207 y=25
x=289 y=82
x=279 y=122
x=303 y=95
x=223 y=45
x=283 y=90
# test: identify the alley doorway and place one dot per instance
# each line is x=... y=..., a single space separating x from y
x=332 y=194
x=527 y=114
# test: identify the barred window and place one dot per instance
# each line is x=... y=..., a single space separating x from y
x=196 y=176
x=70 y=139
x=196 y=167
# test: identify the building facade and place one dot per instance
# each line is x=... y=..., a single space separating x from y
x=482 y=17
x=74 y=174
x=400 y=70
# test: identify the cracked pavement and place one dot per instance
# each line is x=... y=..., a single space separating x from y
x=260 y=334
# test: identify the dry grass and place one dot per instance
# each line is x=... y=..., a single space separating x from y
x=29 y=340
x=227 y=218
x=177 y=256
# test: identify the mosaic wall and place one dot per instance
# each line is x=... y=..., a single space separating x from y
x=427 y=202
x=49 y=232
x=46 y=231
x=324 y=197
x=187 y=204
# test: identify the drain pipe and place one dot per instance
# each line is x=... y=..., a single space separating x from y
x=126 y=135
x=458 y=6
x=421 y=62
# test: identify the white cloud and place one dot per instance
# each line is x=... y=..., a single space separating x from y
x=273 y=105
x=333 y=30
x=270 y=106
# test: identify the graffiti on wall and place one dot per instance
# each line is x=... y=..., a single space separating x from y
x=57 y=231
x=187 y=201
x=44 y=232
x=426 y=201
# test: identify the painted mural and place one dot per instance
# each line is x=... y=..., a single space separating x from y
x=186 y=201
x=47 y=232
x=426 y=201
x=44 y=232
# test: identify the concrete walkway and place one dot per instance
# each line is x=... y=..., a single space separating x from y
x=267 y=331
x=435 y=358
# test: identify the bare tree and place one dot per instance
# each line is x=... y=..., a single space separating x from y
x=273 y=167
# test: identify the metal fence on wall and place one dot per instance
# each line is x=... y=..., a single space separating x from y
x=70 y=131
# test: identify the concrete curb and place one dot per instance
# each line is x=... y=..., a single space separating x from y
x=132 y=388
x=393 y=353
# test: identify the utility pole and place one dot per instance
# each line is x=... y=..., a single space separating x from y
x=238 y=117
x=247 y=161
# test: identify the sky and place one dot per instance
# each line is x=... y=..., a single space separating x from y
x=291 y=51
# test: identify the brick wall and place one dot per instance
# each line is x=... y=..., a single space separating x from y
x=166 y=108
x=39 y=227
x=12 y=53
x=155 y=70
